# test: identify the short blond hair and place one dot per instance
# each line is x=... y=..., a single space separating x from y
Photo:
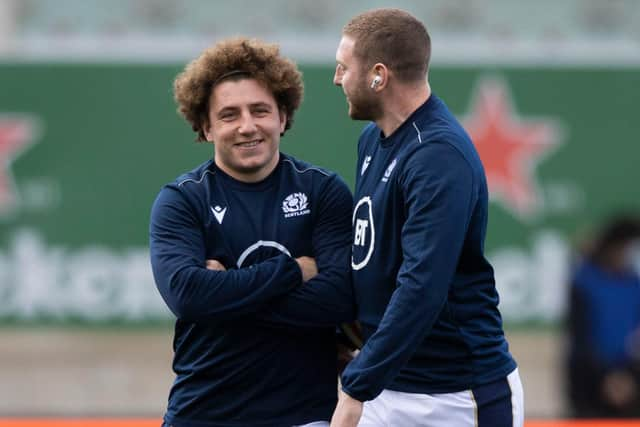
x=392 y=37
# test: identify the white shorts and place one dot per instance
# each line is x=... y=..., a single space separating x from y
x=498 y=404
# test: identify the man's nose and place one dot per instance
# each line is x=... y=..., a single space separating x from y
x=337 y=77
x=247 y=124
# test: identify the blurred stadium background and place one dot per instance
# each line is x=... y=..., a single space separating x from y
x=89 y=133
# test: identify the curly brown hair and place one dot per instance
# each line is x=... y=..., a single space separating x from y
x=236 y=58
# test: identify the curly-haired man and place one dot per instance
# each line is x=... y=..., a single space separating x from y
x=251 y=252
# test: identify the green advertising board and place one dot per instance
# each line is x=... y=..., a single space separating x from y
x=84 y=149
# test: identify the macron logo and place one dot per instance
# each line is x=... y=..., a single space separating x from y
x=218 y=212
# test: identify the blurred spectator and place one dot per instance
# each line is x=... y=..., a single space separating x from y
x=604 y=325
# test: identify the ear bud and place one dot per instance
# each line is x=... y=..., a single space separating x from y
x=376 y=81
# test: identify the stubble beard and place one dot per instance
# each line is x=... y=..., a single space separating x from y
x=364 y=106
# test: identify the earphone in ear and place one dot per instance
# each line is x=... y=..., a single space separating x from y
x=376 y=81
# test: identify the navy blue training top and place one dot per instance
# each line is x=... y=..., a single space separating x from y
x=425 y=293
x=253 y=345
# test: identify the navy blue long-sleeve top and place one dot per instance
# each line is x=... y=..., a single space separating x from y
x=253 y=345
x=425 y=293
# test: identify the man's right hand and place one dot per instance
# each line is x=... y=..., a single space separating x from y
x=308 y=267
x=214 y=264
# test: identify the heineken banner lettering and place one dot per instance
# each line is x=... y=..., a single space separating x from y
x=84 y=149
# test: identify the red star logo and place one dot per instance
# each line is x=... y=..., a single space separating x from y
x=17 y=132
x=510 y=146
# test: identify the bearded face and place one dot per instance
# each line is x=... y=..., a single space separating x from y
x=352 y=76
x=363 y=101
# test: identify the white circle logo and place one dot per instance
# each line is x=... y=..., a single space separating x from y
x=259 y=244
x=363 y=233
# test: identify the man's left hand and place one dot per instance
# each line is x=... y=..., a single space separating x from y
x=348 y=411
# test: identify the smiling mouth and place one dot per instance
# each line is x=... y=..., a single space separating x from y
x=249 y=144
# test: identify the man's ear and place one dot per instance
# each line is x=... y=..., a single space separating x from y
x=206 y=129
x=283 y=119
x=379 y=76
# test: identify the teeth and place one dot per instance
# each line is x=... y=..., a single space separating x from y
x=249 y=144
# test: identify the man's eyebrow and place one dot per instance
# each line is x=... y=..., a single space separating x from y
x=260 y=104
x=228 y=108
x=237 y=107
